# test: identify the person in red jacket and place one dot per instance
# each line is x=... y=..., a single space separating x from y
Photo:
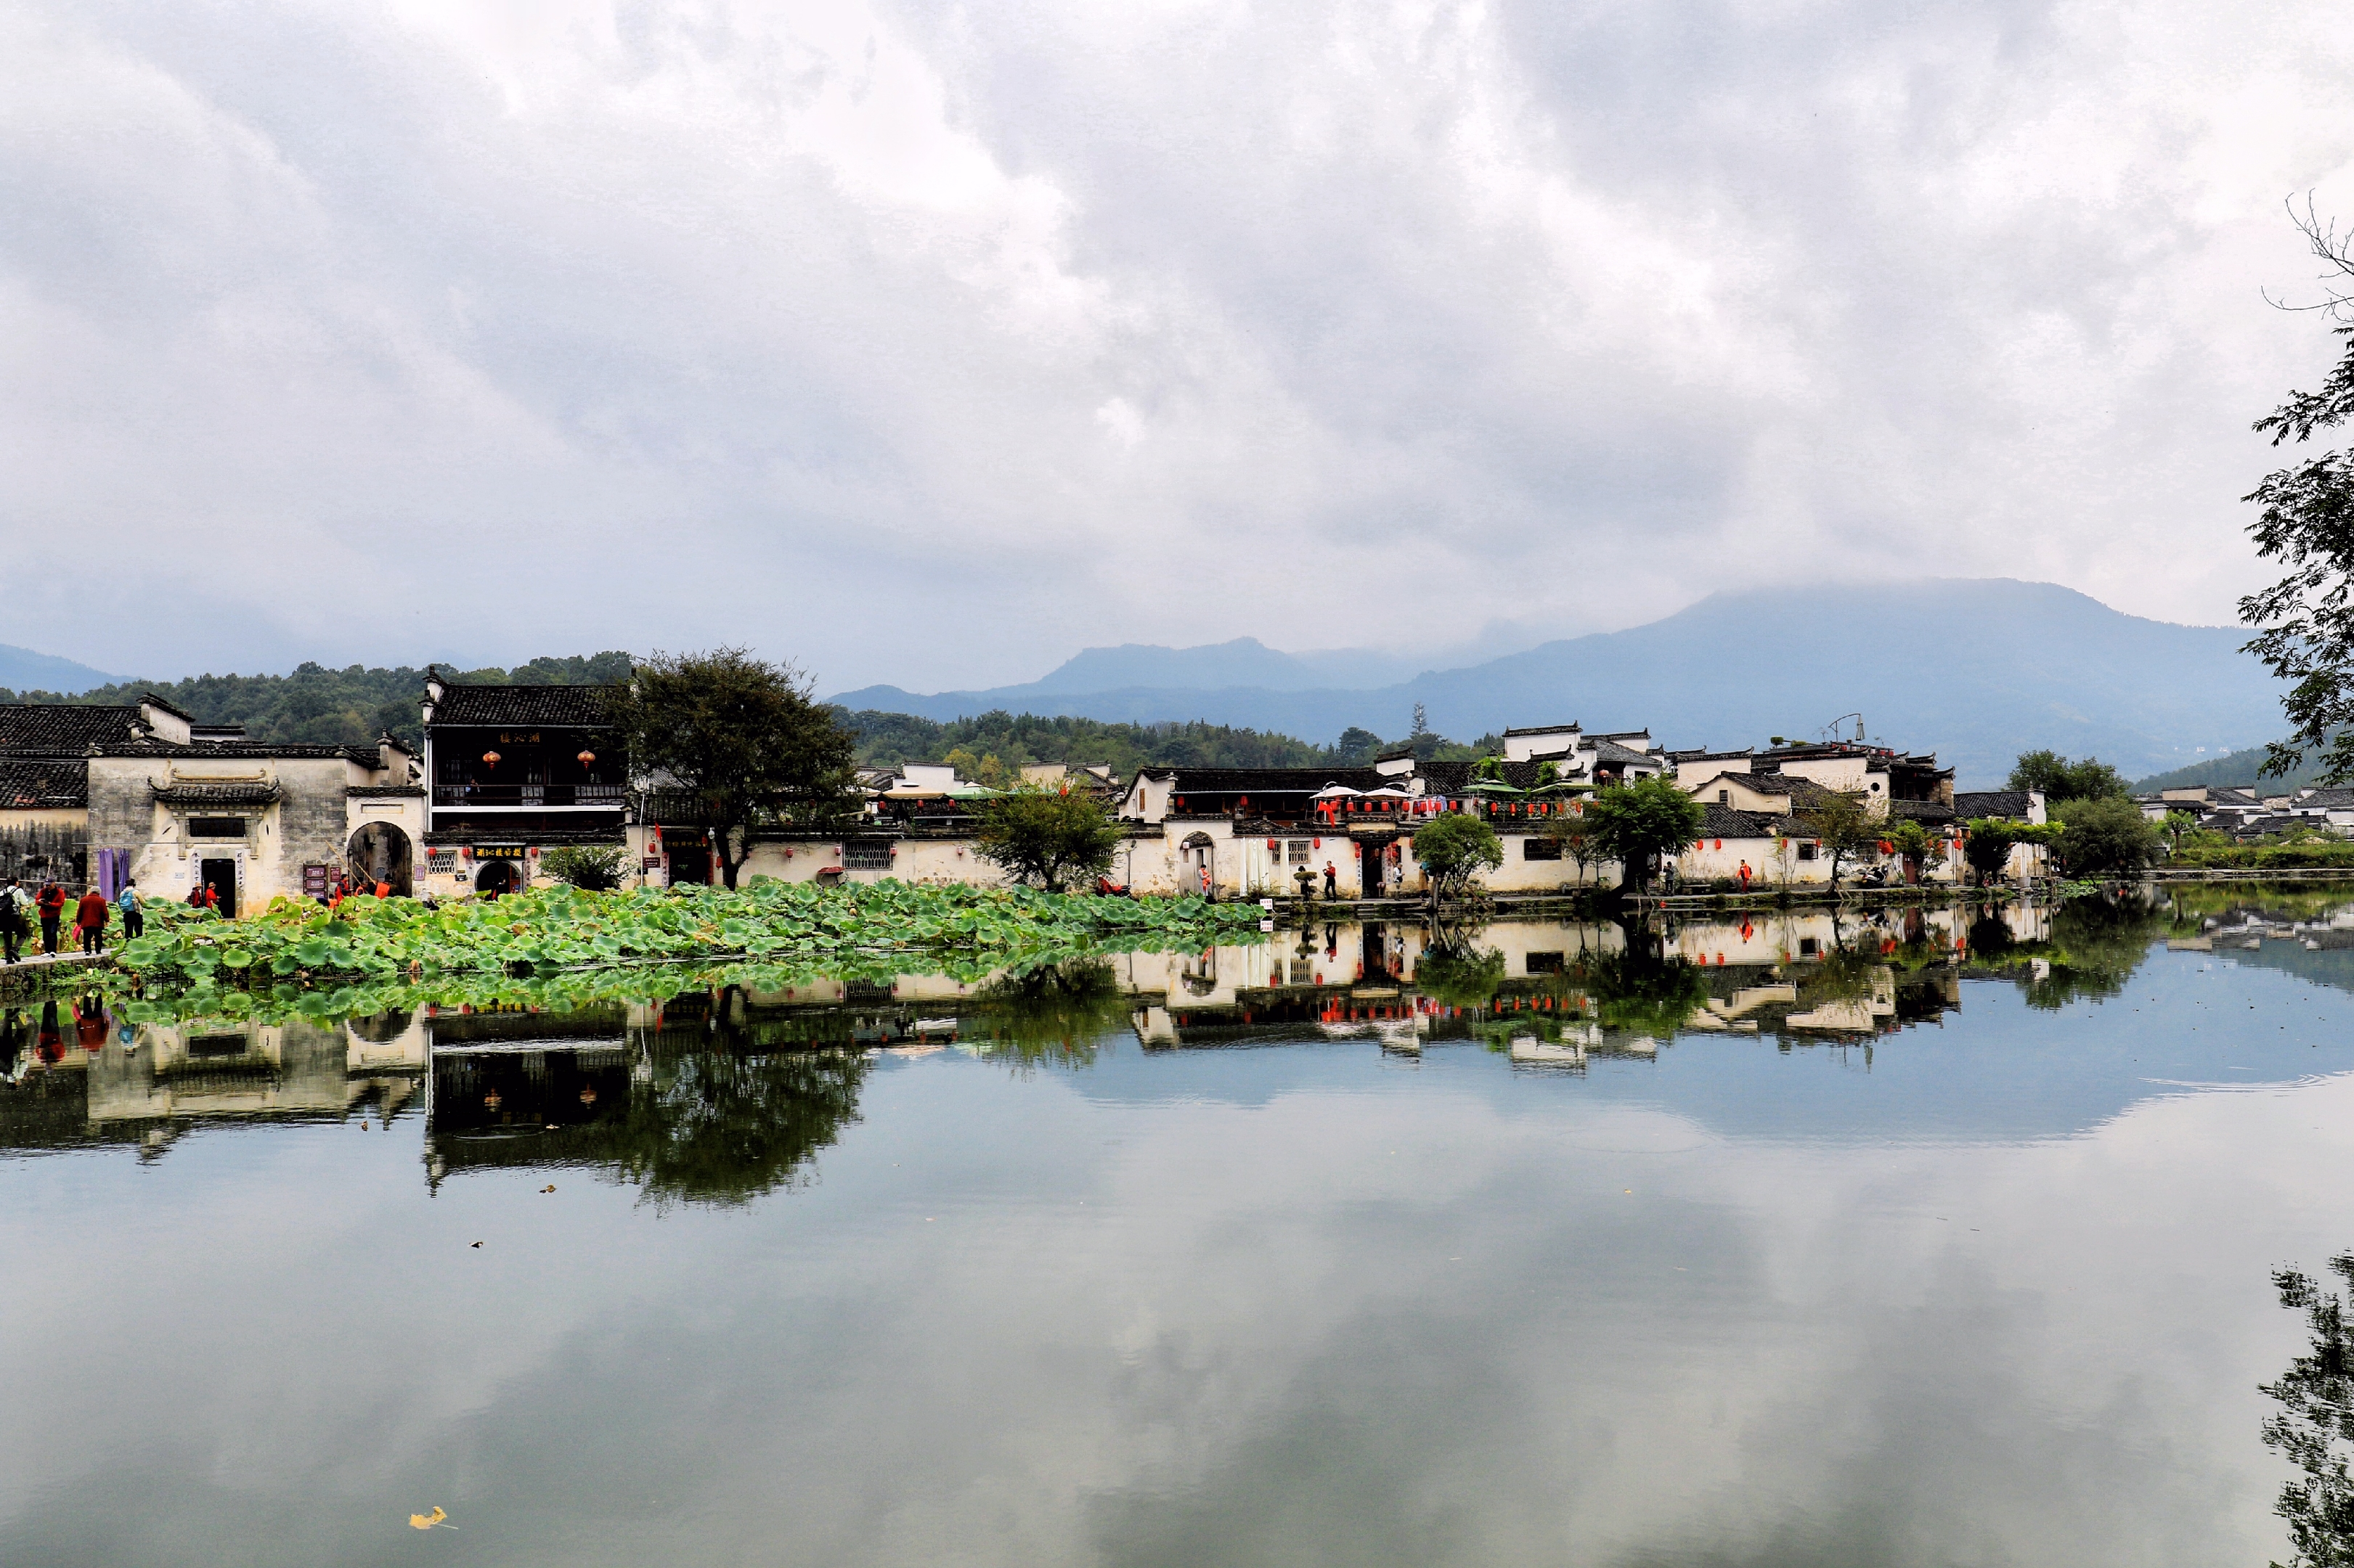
x=51 y=903
x=90 y=920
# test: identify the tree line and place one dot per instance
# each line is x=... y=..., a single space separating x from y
x=350 y=707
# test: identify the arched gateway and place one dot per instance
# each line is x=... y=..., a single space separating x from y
x=379 y=852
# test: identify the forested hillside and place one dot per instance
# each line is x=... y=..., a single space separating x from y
x=886 y=739
x=2240 y=767
x=350 y=707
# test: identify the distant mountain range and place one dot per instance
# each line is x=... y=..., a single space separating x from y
x=1977 y=671
x=22 y=669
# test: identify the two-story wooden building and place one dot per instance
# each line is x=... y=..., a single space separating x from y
x=513 y=771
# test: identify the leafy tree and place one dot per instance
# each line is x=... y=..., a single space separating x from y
x=2061 y=779
x=741 y=742
x=1356 y=747
x=2316 y=1423
x=2098 y=837
x=593 y=868
x=2305 y=622
x=2178 y=827
x=1844 y=826
x=1637 y=823
x=1986 y=847
x=1453 y=849
x=1575 y=833
x=1454 y=972
x=1054 y=838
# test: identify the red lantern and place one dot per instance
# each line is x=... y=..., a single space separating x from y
x=586 y=757
x=1271 y=844
x=490 y=758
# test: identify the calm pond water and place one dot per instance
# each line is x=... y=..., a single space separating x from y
x=1767 y=1241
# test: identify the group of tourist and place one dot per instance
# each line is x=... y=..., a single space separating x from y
x=21 y=912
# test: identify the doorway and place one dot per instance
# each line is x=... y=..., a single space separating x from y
x=690 y=859
x=379 y=852
x=495 y=878
x=220 y=876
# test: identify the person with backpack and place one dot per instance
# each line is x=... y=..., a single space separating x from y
x=51 y=904
x=14 y=922
x=135 y=919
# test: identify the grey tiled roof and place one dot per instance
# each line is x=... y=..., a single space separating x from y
x=2005 y=803
x=48 y=783
x=522 y=705
x=64 y=728
x=1611 y=751
x=285 y=750
x=1727 y=822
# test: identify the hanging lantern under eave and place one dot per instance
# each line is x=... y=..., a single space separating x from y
x=585 y=759
x=491 y=759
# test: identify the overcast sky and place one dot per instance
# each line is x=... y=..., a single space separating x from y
x=929 y=344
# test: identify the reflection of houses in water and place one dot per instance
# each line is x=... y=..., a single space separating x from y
x=1545 y=991
x=85 y=1075
x=702 y=1098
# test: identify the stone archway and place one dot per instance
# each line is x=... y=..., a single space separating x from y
x=496 y=877
x=380 y=851
x=1197 y=856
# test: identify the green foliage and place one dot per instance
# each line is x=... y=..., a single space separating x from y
x=742 y=741
x=1455 y=973
x=1016 y=739
x=1637 y=823
x=2305 y=622
x=2222 y=854
x=885 y=740
x=2061 y=779
x=2096 y=944
x=1048 y=1013
x=351 y=706
x=2237 y=771
x=1054 y=839
x=2103 y=837
x=1640 y=989
x=2314 y=1426
x=1453 y=849
x=719 y=1127
x=1987 y=844
x=594 y=868
x=883 y=924
x=1845 y=826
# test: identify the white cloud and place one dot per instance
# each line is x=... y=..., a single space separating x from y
x=926 y=344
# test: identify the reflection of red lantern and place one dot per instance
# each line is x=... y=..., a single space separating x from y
x=490 y=758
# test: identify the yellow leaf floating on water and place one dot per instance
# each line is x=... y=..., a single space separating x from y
x=427 y=1520
x=549 y=1188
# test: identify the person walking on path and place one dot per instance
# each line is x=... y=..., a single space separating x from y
x=196 y=896
x=1332 y=880
x=90 y=920
x=15 y=924
x=135 y=919
x=51 y=903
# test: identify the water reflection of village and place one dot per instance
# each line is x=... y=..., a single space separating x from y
x=720 y=1095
